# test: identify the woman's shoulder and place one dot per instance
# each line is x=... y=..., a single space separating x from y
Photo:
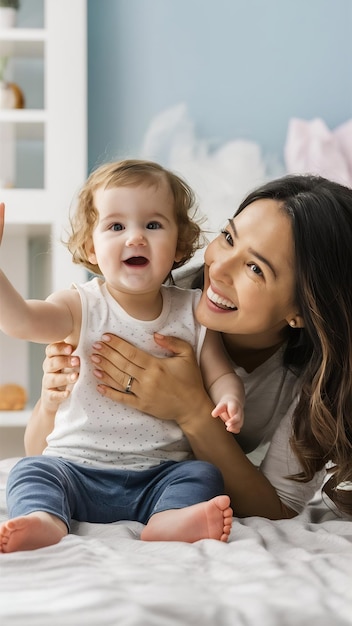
x=180 y=297
x=189 y=277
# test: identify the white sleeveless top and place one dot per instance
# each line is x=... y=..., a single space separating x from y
x=90 y=429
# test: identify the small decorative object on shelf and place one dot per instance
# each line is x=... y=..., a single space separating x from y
x=8 y=13
x=11 y=95
x=12 y=397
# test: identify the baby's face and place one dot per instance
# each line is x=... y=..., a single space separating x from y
x=135 y=239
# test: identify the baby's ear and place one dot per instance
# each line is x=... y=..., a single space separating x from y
x=90 y=251
x=178 y=256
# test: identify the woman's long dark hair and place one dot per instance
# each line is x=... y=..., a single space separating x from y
x=321 y=216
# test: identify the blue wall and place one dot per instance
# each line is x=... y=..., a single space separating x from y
x=243 y=67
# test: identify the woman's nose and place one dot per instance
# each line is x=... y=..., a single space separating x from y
x=224 y=268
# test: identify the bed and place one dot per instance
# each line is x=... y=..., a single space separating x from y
x=271 y=573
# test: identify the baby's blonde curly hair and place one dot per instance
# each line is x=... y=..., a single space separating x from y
x=131 y=173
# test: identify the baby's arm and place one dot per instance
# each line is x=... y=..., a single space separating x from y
x=223 y=385
x=228 y=391
x=36 y=320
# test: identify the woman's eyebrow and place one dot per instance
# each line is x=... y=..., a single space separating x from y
x=254 y=252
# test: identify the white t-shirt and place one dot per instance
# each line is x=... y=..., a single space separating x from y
x=94 y=430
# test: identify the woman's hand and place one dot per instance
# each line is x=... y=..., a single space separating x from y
x=58 y=380
x=60 y=374
x=168 y=388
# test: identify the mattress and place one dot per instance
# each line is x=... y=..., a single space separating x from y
x=270 y=573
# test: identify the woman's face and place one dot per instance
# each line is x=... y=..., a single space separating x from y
x=249 y=275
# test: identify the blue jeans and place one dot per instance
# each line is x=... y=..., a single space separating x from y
x=87 y=494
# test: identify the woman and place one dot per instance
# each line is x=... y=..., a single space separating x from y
x=278 y=286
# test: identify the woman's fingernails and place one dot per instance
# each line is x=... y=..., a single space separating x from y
x=95 y=358
x=97 y=346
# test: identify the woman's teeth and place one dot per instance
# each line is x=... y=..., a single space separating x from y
x=219 y=301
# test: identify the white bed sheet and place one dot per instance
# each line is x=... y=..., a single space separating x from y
x=284 y=573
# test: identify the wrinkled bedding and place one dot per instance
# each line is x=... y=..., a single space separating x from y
x=271 y=573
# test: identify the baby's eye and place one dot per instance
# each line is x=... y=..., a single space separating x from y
x=116 y=227
x=153 y=225
x=227 y=236
x=255 y=269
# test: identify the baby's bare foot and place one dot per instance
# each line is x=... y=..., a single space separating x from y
x=30 y=532
x=206 y=520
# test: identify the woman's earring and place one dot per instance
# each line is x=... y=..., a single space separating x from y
x=293 y=323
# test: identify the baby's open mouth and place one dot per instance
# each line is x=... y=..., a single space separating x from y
x=137 y=260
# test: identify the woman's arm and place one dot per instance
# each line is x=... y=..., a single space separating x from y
x=172 y=388
x=39 y=426
x=57 y=382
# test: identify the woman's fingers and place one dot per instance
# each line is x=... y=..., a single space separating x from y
x=58 y=363
x=52 y=398
x=59 y=348
x=121 y=354
x=56 y=359
x=108 y=374
x=59 y=380
x=116 y=360
x=129 y=399
x=60 y=374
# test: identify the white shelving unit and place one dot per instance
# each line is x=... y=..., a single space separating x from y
x=49 y=153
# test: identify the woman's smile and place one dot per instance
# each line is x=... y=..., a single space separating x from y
x=219 y=301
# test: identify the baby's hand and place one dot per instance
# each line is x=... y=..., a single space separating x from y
x=2 y=219
x=230 y=410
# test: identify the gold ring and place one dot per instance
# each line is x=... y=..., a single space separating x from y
x=129 y=385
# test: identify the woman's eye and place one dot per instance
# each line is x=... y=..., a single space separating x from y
x=255 y=269
x=116 y=227
x=153 y=225
x=227 y=236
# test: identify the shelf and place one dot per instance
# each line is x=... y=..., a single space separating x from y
x=22 y=42
x=43 y=150
x=29 y=123
x=27 y=230
x=23 y=116
x=12 y=419
x=26 y=206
